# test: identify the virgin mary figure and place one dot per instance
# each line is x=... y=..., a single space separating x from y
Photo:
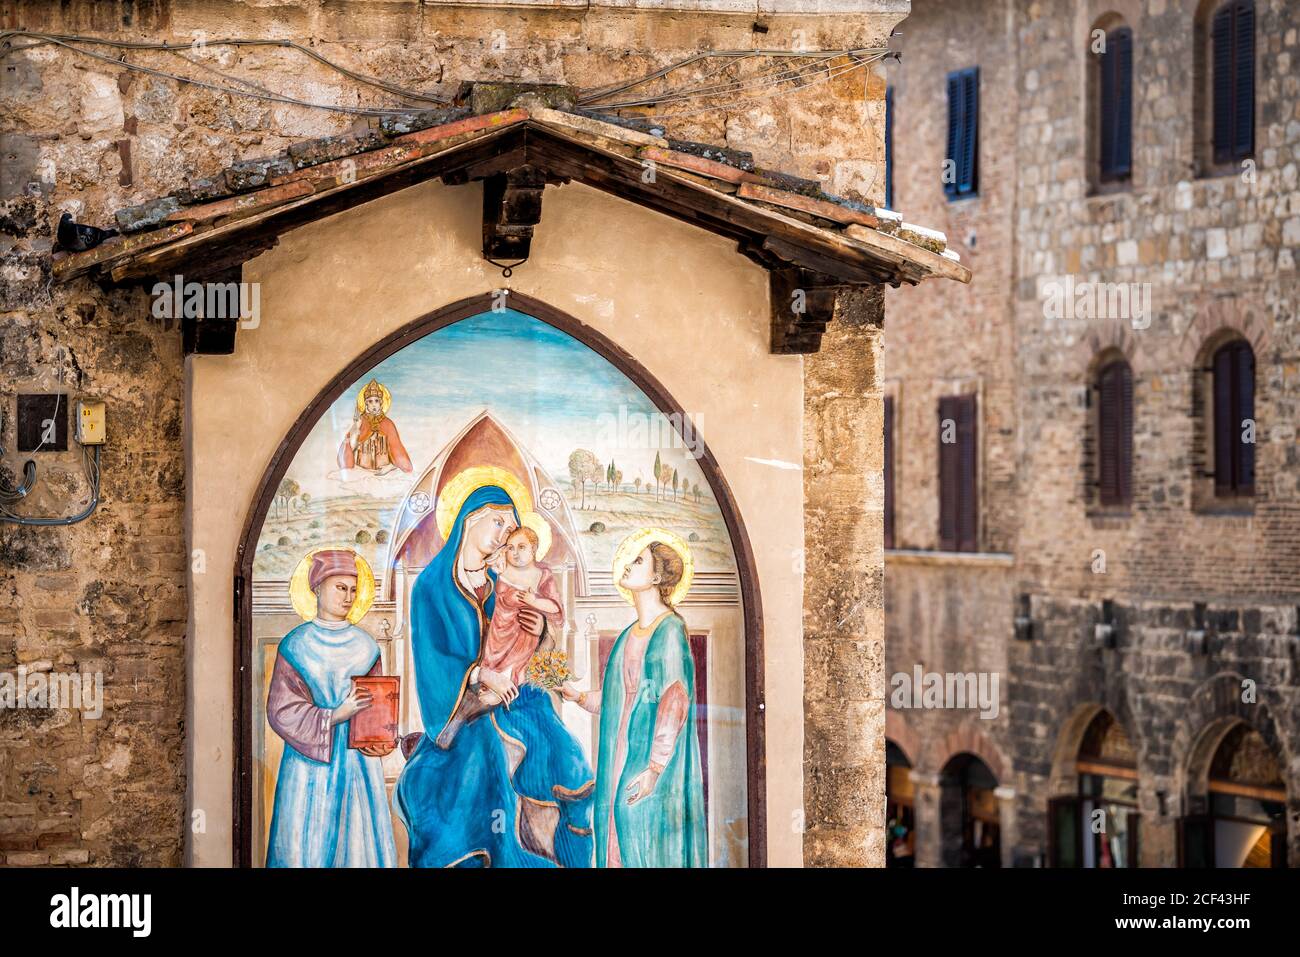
x=650 y=787
x=501 y=785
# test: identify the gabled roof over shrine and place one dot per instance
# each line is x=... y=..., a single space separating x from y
x=517 y=143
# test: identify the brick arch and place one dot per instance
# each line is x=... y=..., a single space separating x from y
x=972 y=741
x=1208 y=713
x=1108 y=14
x=1069 y=736
x=1108 y=336
x=1217 y=318
x=900 y=732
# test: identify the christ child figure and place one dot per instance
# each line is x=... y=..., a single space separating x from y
x=522 y=582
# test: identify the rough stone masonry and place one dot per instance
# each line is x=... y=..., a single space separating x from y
x=87 y=137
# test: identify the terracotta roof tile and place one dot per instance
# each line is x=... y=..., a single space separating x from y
x=250 y=186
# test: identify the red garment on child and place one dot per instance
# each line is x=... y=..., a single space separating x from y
x=509 y=646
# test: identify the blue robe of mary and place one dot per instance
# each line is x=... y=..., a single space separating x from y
x=472 y=804
x=330 y=813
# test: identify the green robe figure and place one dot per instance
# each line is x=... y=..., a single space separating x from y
x=649 y=801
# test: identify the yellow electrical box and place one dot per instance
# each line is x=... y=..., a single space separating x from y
x=90 y=422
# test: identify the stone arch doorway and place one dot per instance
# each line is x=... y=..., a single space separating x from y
x=970 y=820
x=1237 y=796
x=900 y=810
x=723 y=609
x=1093 y=822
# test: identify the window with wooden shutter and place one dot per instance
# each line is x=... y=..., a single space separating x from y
x=889 y=471
x=1115 y=433
x=1232 y=42
x=961 y=174
x=958 y=498
x=1234 y=404
x=1116 y=107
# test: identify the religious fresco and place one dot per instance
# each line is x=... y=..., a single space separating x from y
x=507 y=633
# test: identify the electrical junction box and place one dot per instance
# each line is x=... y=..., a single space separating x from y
x=90 y=422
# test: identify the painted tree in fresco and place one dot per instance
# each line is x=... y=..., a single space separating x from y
x=287 y=491
x=584 y=467
x=658 y=474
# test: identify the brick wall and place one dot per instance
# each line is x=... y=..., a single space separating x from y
x=1219 y=255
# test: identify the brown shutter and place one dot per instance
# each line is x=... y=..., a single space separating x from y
x=1234 y=403
x=1115 y=439
x=1126 y=434
x=967 y=493
x=1108 y=437
x=948 y=477
x=889 y=471
x=1244 y=408
x=1224 y=431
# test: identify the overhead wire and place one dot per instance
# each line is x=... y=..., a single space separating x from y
x=825 y=76
x=777 y=74
x=66 y=38
x=255 y=93
x=783 y=72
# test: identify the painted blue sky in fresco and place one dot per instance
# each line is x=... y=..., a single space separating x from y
x=547 y=388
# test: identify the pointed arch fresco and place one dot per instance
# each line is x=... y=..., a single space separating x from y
x=407 y=463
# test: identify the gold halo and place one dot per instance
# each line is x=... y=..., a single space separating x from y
x=542 y=527
x=385 y=402
x=304 y=599
x=634 y=544
x=465 y=484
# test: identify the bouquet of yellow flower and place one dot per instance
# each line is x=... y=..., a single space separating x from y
x=548 y=670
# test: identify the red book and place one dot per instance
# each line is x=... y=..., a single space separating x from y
x=376 y=726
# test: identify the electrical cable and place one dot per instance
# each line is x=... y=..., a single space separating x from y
x=779 y=74
x=826 y=76
x=91 y=466
x=190 y=81
x=225 y=41
x=601 y=93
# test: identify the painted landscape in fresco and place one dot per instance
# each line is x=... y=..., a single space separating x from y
x=317 y=506
x=488 y=544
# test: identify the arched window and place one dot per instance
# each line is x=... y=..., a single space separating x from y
x=969 y=815
x=1245 y=820
x=1114 y=123
x=899 y=815
x=1115 y=433
x=1233 y=412
x=1106 y=764
x=1225 y=82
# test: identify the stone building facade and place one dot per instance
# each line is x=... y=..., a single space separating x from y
x=1197 y=595
x=121 y=593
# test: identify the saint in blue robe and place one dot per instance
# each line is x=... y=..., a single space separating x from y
x=331 y=807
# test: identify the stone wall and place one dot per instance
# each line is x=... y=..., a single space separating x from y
x=843 y=628
x=1219 y=254
x=84 y=136
x=105 y=597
